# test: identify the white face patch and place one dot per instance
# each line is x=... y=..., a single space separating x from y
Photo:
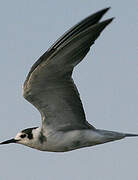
x=27 y=137
x=17 y=137
x=22 y=138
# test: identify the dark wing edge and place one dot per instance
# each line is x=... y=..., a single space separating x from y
x=82 y=25
x=79 y=27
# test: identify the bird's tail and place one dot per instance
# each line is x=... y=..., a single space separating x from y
x=130 y=135
x=107 y=136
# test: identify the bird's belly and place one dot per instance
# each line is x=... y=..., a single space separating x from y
x=67 y=141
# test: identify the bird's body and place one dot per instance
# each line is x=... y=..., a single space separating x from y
x=62 y=141
x=50 y=88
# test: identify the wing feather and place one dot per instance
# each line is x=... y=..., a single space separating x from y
x=49 y=85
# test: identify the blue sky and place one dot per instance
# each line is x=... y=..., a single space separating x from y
x=107 y=80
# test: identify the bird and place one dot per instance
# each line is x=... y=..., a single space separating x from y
x=50 y=88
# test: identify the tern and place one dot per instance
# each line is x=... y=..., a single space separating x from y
x=50 y=88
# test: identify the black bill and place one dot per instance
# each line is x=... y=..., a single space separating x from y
x=9 y=141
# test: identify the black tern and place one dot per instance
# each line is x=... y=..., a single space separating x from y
x=50 y=88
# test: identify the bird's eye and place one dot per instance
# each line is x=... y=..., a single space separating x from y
x=23 y=136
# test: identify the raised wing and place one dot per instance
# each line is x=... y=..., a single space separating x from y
x=49 y=86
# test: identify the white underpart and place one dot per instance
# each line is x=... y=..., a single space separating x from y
x=60 y=141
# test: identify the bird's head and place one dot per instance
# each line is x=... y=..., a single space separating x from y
x=25 y=137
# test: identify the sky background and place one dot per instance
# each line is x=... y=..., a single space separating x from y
x=107 y=80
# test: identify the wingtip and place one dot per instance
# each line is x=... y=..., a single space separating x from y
x=108 y=21
x=99 y=14
x=105 y=10
x=112 y=18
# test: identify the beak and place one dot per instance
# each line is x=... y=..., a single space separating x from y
x=9 y=141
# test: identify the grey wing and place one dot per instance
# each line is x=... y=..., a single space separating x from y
x=49 y=85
